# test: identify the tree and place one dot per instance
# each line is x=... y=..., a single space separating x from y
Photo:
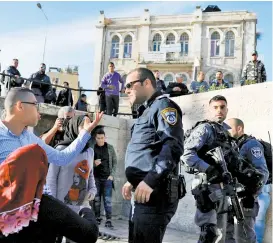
x=258 y=36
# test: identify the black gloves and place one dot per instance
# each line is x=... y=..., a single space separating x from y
x=213 y=175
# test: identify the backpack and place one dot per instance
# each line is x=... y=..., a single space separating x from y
x=267 y=155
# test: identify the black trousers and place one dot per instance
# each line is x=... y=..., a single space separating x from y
x=112 y=104
x=150 y=220
x=55 y=218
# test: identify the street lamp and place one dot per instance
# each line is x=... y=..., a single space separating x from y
x=40 y=7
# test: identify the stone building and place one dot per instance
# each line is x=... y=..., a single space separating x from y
x=68 y=74
x=207 y=40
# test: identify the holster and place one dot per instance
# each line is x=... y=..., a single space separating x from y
x=203 y=201
x=175 y=187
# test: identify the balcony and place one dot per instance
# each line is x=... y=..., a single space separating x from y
x=163 y=57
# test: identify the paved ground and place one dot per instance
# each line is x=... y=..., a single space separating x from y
x=121 y=231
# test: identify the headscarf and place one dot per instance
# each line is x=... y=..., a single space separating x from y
x=22 y=178
x=71 y=131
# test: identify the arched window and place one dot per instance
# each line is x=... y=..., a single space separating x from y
x=157 y=42
x=229 y=79
x=184 y=40
x=229 y=44
x=115 y=47
x=215 y=44
x=127 y=47
x=167 y=79
x=212 y=77
x=170 y=39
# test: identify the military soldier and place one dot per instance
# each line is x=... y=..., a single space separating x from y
x=254 y=70
x=253 y=151
x=205 y=136
x=151 y=158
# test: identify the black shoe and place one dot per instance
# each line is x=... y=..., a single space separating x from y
x=99 y=220
x=108 y=224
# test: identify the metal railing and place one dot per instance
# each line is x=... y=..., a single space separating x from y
x=22 y=81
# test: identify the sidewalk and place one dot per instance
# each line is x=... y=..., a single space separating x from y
x=121 y=231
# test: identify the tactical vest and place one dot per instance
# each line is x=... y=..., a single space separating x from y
x=222 y=139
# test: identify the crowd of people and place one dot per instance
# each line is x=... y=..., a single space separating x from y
x=52 y=185
x=109 y=90
x=41 y=86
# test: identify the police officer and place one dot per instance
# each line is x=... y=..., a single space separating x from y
x=254 y=70
x=252 y=150
x=152 y=156
x=205 y=136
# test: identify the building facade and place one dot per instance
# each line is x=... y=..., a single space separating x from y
x=186 y=44
x=69 y=74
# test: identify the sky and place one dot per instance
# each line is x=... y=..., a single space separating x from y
x=71 y=30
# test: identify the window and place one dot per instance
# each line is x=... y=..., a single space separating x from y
x=184 y=40
x=115 y=47
x=167 y=79
x=229 y=44
x=170 y=39
x=229 y=79
x=157 y=42
x=127 y=47
x=215 y=44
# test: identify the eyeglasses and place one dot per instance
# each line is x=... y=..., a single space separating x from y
x=131 y=84
x=32 y=103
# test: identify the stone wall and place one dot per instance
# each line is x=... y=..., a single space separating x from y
x=252 y=104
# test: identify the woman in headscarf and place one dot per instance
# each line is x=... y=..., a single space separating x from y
x=27 y=216
x=74 y=184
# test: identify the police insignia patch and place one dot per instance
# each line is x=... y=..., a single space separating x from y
x=169 y=115
x=256 y=152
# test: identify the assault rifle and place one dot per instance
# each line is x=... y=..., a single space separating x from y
x=229 y=185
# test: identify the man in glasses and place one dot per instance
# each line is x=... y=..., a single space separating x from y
x=110 y=83
x=41 y=90
x=152 y=156
x=54 y=217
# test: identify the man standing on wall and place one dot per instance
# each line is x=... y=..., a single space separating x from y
x=110 y=83
x=105 y=163
x=254 y=70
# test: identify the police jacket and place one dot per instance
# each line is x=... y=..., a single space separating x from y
x=205 y=136
x=183 y=87
x=254 y=71
x=156 y=143
x=42 y=77
x=252 y=150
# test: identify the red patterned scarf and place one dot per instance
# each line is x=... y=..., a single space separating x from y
x=22 y=178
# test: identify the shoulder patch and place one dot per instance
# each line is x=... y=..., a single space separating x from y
x=169 y=114
x=256 y=152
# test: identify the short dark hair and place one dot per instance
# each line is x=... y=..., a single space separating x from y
x=111 y=63
x=16 y=94
x=218 y=98
x=155 y=71
x=219 y=71
x=239 y=122
x=15 y=59
x=83 y=95
x=145 y=73
x=100 y=132
x=65 y=82
x=43 y=64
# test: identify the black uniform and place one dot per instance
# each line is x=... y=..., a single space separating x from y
x=152 y=154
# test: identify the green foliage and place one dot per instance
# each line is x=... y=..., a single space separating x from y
x=248 y=82
x=201 y=89
x=214 y=87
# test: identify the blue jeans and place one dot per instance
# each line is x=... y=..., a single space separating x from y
x=264 y=202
